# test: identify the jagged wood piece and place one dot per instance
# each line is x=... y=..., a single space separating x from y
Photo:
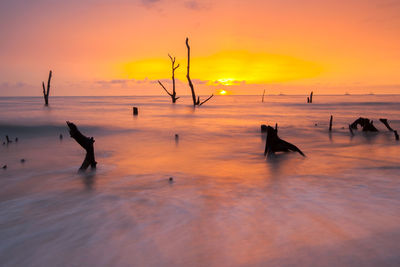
x=86 y=143
x=173 y=94
x=330 y=123
x=366 y=124
x=385 y=122
x=311 y=95
x=196 y=101
x=275 y=144
x=46 y=93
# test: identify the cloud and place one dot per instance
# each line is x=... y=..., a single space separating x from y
x=150 y=2
x=194 y=5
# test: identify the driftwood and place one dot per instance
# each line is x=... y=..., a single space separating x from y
x=46 y=93
x=366 y=124
x=385 y=122
x=196 y=101
x=275 y=144
x=173 y=94
x=86 y=143
x=351 y=130
x=396 y=135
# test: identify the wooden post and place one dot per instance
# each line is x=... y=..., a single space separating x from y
x=135 y=111
x=263 y=97
x=311 y=95
x=330 y=123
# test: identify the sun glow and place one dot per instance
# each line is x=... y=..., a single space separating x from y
x=222 y=92
x=227 y=68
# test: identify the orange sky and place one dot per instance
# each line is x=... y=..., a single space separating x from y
x=120 y=47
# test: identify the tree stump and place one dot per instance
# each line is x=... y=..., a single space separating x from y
x=86 y=143
x=275 y=144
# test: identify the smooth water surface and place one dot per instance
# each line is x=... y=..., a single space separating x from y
x=227 y=205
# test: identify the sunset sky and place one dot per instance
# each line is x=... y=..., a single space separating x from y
x=120 y=47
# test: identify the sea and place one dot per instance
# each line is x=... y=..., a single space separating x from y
x=183 y=186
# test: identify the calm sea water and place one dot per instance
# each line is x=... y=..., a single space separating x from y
x=227 y=205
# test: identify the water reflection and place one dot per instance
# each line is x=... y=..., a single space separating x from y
x=88 y=179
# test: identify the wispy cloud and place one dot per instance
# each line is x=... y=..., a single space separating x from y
x=195 y=5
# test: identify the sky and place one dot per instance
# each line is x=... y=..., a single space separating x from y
x=121 y=47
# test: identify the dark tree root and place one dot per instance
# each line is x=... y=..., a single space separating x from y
x=86 y=143
x=275 y=144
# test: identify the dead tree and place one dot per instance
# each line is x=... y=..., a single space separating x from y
x=366 y=124
x=46 y=93
x=275 y=144
x=86 y=143
x=196 y=101
x=173 y=94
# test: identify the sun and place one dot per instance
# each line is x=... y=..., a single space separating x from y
x=222 y=92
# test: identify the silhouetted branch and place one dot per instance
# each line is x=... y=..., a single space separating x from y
x=86 y=143
x=196 y=102
x=385 y=122
x=173 y=94
x=206 y=99
x=164 y=88
x=396 y=135
x=46 y=94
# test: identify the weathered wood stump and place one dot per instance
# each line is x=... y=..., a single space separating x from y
x=263 y=128
x=330 y=123
x=86 y=143
x=275 y=144
x=366 y=124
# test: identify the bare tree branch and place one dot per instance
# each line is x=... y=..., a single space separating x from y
x=164 y=88
x=206 y=99
x=173 y=94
